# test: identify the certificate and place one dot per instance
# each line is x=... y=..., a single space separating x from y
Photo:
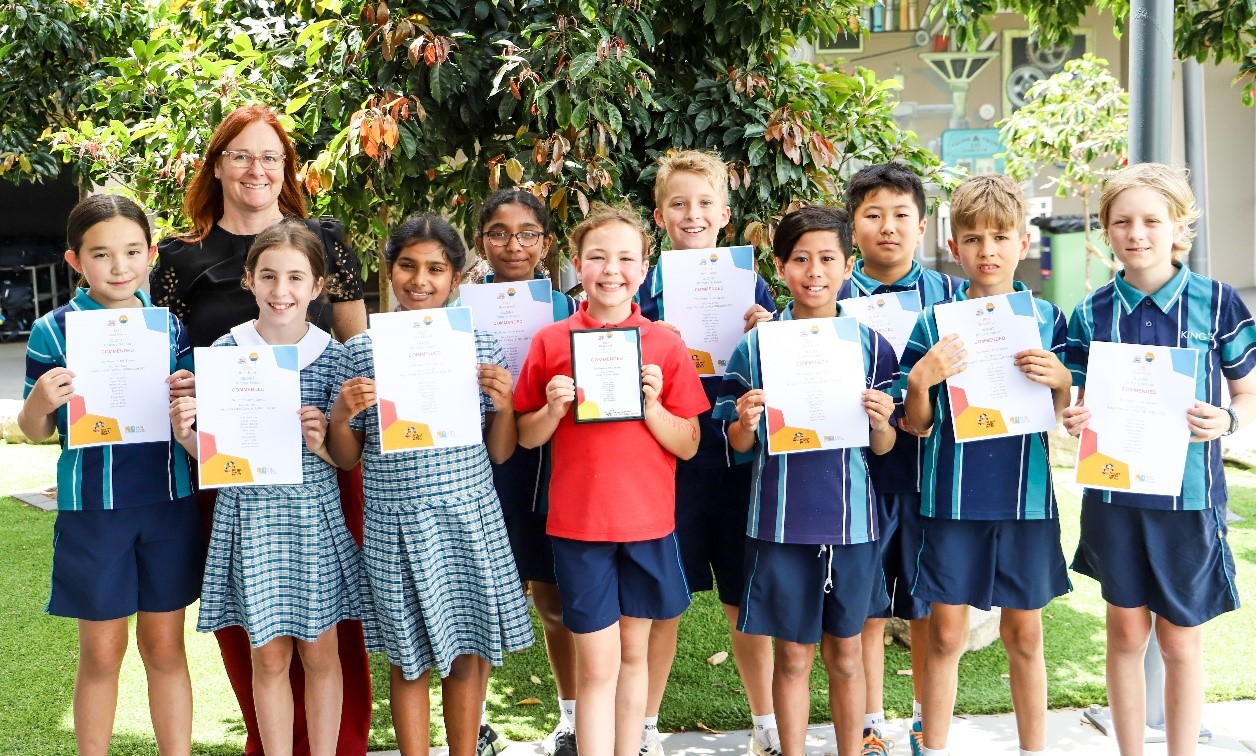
x=814 y=379
x=120 y=359
x=706 y=293
x=606 y=368
x=992 y=397
x=1138 y=436
x=513 y=312
x=248 y=423
x=427 y=379
x=893 y=315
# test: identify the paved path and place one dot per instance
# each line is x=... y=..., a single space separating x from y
x=1233 y=725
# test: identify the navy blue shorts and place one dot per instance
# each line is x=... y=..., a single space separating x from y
x=112 y=563
x=519 y=483
x=600 y=581
x=900 y=541
x=712 y=504
x=1177 y=564
x=1014 y=564
x=789 y=596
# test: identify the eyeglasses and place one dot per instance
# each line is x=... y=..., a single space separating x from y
x=525 y=238
x=271 y=161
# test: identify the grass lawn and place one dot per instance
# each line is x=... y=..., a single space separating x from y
x=39 y=652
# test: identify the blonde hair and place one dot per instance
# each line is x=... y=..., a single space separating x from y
x=602 y=214
x=707 y=164
x=993 y=198
x=1170 y=183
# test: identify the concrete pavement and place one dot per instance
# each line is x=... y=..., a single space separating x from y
x=1233 y=726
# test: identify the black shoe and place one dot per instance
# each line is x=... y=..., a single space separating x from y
x=489 y=744
x=561 y=742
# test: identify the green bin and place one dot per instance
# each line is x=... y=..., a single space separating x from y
x=1063 y=260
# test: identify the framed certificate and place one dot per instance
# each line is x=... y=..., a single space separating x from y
x=1138 y=436
x=606 y=368
x=120 y=360
x=247 y=415
x=706 y=293
x=992 y=398
x=426 y=379
x=813 y=384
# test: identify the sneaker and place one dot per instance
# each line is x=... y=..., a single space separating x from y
x=489 y=743
x=771 y=748
x=560 y=742
x=874 y=744
x=651 y=745
x=917 y=739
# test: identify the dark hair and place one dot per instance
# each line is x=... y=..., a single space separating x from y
x=421 y=228
x=893 y=176
x=101 y=207
x=294 y=233
x=805 y=220
x=514 y=197
x=203 y=202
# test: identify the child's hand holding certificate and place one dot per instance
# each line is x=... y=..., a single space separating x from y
x=992 y=397
x=814 y=380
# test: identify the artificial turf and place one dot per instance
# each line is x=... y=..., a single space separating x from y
x=38 y=652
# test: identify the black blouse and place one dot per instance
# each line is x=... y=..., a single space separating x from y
x=202 y=283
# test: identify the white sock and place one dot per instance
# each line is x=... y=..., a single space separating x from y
x=650 y=725
x=916 y=714
x=934 y=751
x=567 y=713
x=875 y=719
x=484 y=714
x=1023 y=752
x=763 y=723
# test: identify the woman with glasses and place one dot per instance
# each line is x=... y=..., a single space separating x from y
x=246 y=184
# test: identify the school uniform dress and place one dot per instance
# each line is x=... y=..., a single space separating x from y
x=713 y=487
x=1172 y=556
x=990 y=531
x=441 y=578
x=281 y=560
x=897 y=474
x=811 y=559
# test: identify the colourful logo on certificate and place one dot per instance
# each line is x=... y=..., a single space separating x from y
x=974 y=422
x=788 y=438
x=87 y=429
x=219 y=469
x=510 y=292
x=702 y=362
x=397 y=433
x=1098 y=469
x=714 y=257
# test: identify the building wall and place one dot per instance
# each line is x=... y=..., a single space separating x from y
x=1231 y=128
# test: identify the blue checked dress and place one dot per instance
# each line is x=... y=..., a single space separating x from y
x=441 y=575
x=281 y=560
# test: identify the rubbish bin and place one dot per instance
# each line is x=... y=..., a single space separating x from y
x=1063 y=259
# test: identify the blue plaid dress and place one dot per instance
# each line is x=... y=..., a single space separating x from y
x=281 y=560
x=441 y=575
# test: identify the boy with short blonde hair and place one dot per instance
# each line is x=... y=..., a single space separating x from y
x=712 y=489
x=990 y=533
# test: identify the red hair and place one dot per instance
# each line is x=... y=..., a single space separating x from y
x=203 y=203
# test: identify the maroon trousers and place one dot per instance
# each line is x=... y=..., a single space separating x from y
x=233 y=643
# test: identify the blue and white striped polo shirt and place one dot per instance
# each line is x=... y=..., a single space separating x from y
x=108 y=477
x=899 y=470
x=1189 y=311
x=816 y=497
x=1005 y=478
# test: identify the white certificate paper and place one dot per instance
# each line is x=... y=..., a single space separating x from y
x=120 y=360
x=706 y=293
x=1138 y=436
x=814 y=378
x=513 y=312
x=992 y=398
x=426 y=379
x=248 y=427
x=606 y=368
x=893 y=315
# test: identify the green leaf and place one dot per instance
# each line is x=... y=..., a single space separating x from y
x=581 y=65
x=562 y=110
x=703 y=121
x=295 y=104
x=614 y=118
x=580 y=114
x=756 y=151
x=436 y=82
